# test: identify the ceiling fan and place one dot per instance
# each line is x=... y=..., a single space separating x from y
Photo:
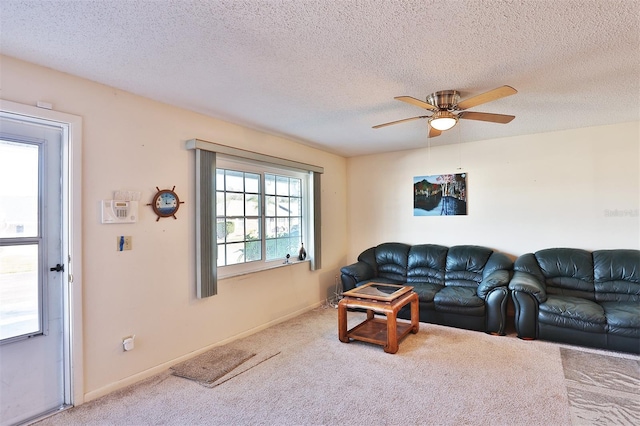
x=447 y=109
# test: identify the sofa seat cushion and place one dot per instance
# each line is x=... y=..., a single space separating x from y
x=461 y=300
x=573 y=312
x=426 y=291
x=623 y=318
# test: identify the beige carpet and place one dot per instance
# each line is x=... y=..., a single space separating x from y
x=440 y=376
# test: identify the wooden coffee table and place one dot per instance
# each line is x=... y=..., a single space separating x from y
x=379 y=298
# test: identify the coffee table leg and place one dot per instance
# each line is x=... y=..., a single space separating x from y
x=342 y=322
x=392 y=334
x=415 y=315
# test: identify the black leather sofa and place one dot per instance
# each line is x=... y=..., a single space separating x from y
x=579 y=297
x=462 y=286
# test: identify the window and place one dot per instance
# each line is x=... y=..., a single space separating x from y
x=252 y=210
x=260 y=215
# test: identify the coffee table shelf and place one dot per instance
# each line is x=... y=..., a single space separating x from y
x=375 y=331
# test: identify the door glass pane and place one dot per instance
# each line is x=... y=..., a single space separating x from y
x=19 y=300
x=18 y=190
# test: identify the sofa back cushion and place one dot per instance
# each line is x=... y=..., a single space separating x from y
x=567 y=272
x=427 y=263
x=617 y=275
x=465 y=265
x=392 y=259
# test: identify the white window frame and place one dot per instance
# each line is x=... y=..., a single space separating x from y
x=229 y=163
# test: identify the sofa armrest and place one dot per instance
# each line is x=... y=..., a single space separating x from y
x=528 y=283
x=355 y=273
x=499 y=278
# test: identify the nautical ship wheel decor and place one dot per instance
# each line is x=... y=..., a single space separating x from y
x=165 y=203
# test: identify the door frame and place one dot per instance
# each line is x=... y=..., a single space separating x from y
x=71 y=238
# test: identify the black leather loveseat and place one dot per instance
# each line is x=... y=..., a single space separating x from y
x=579 y=297
x=462 y=286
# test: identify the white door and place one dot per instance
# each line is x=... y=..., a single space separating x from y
x=34 y=371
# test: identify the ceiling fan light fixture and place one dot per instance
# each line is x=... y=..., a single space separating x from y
x=443 y=120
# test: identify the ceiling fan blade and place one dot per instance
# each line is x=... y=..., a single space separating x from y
x=489 y=96
x=485 y=116
x=399 y=121
x=416 y=102
x=434 y=132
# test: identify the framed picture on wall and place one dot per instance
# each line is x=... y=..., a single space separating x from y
x=440 y=195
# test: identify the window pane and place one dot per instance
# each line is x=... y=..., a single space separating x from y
x=253 y=251
x=222 y=255
x=283 y=207
x=18 y=190
x=282 y=185
x=294 y=246
x=283 y=227
x=235 y=253
x=294 y=224
x=270 y=202
x=295 y=206
x=271 y=228
x=295 y=188
x=19 y=300
x=252 y=182
x=272 y=249
x=220 y=204
x=235 y=181
x=252 y=205
x=283 y=247
x=269 y=184
x=252 y=229
x=223 y=229
x=234 y=204
x=235 y=229
x=220 y=179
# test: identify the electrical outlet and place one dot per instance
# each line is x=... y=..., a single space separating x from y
x=124 y=242
x=128 y=343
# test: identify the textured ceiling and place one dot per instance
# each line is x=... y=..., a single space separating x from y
x=325 y=71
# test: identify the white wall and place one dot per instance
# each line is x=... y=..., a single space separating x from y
x=560 y=189
x=132 y=143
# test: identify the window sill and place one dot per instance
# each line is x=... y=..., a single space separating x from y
x=275 y=265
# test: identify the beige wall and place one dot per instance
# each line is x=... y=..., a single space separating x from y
x=132 y=143
x=526 y=193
